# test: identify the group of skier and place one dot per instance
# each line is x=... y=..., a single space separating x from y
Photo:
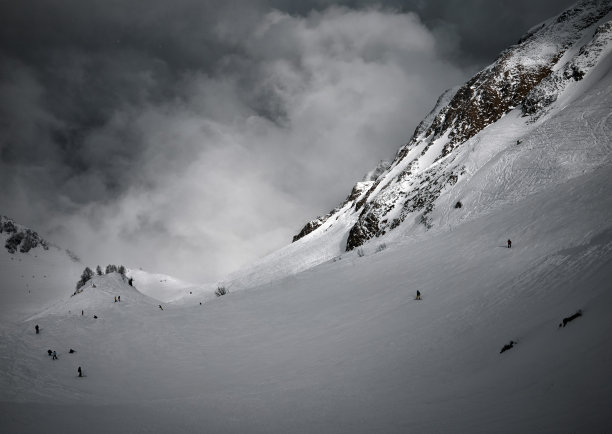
x=53 y=353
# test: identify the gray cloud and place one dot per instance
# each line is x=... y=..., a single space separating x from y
x=191 y=137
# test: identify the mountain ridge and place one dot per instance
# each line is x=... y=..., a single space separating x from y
x=528 y=77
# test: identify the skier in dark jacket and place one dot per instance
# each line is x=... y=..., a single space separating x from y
x=54 y=355
x=80 y=372
x=418 y=296
x=37 y=329
x=509 y=244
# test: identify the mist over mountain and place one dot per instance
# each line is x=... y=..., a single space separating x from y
x=462 y=287
x=216 y=129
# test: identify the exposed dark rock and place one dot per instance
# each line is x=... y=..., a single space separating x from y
x=22 y=238
x=310 y=226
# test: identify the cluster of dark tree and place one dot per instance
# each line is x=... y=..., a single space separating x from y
x=88 y=273
x=221 y=291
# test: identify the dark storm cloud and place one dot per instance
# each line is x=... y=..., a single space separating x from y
x=204 y=133
x=479 y=29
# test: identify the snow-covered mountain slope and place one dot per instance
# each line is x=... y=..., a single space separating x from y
x=33 y=271
x=344 y=347
x=536 y=118
x=168 y=288
x=36 y=272
x=331 y=341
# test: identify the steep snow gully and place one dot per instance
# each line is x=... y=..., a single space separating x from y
x=316 y=339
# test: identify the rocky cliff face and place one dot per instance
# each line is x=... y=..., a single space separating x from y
x=528 y=76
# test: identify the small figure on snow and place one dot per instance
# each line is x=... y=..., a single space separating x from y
x=54 y=355
x=71 y=351
x=507 y=346
x=119 y=298
x=130 y=281
x=115 y=299
x=37 y=328
x=418 y=296
x=49 y=352
x=160 y=306
x=80 y=372
x=570 y=318
x=509 y=244
x=95 y=316
x=82 y=312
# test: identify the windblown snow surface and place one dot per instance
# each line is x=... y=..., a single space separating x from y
x=313 y=339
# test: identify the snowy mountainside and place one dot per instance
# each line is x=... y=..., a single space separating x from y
x=535 y=118
x=344 y=347
x=167 y=288
x=97 y=297
x=34 y=271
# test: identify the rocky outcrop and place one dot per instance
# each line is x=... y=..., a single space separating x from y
x=546 y=93
x=529 y=75
x=312 y=225
x=20 y=238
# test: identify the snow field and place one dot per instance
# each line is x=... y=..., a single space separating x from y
x=344 y=347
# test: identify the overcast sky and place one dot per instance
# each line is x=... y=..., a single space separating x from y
x=190 y=137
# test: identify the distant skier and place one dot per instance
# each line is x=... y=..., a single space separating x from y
x=418 y=296
x=570 y=318
x=50 y=353
x=82 y=312
x=71 y=351
x=80 y=372
x=130 y=281
x=507 y=346
x=160 y=306
x=37 y=328
x=95 y=316
x=509 y=244
x=115 y=299
x=54 y=355
x=119 y=298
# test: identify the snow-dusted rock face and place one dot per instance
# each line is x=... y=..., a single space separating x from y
x=527 y=77
x=19 y=237
x=356 y=193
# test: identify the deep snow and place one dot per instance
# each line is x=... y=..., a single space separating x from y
x=344 y=347
x=312 y=339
